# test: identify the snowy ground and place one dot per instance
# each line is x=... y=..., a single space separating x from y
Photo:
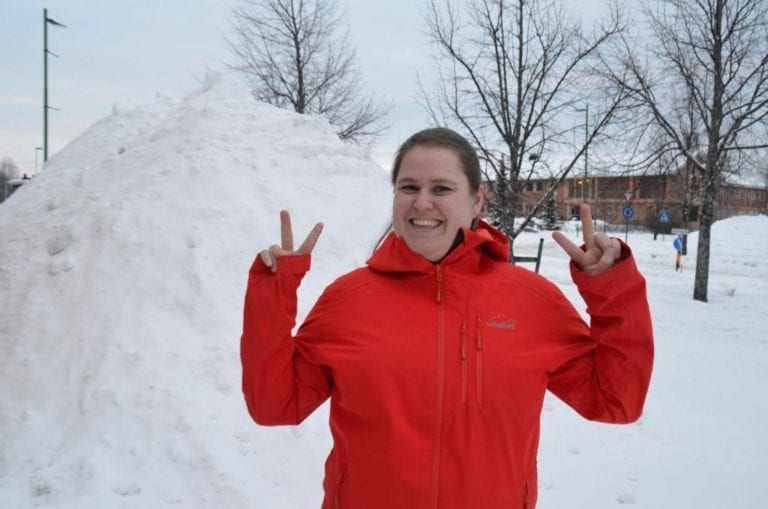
x=122 y=270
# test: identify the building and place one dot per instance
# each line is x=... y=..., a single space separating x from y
x=651 y=197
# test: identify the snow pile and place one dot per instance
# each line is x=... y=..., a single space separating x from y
x=122 y=270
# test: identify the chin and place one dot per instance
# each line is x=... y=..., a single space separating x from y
x=433 y=255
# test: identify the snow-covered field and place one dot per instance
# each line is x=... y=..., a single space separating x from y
x=122 y=271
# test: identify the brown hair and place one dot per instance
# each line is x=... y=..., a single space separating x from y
x=446 y=138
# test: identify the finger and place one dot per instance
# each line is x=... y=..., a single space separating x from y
x=266 y=258
x=603 y=241
x=608 y=244
x=605 y=262
x=569 y=247
x=286 y=232
x=586 y=225
x=309 y=243
x=276 y=252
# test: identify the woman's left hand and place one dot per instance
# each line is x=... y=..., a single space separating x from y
x=601 y=251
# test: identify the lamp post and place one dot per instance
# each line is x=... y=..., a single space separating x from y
x=584 y=193
x=53 y=22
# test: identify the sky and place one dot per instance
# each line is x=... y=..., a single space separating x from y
x=123 y=268
x=126 y=52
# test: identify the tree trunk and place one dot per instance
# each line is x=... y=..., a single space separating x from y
x=706 y=218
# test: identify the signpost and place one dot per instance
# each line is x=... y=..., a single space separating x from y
x=627 y=212
x=662 y=222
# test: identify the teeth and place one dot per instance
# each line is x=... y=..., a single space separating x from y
x=425 y=222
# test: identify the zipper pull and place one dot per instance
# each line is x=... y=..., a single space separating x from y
x=439 y=275
x=479 y=335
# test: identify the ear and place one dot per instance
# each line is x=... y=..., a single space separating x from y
x=477 y=201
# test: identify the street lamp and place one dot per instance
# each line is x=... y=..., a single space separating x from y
x=53 y=22
x=584 y=194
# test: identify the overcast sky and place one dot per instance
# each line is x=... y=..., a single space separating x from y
x=126 y=52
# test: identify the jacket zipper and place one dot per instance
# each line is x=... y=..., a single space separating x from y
x=479 y=359
x=439 y=277
x=463 y=353
x=440 y=388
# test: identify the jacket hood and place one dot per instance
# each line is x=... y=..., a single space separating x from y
x=394 y=255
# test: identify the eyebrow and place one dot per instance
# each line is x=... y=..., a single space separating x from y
x=410 y=180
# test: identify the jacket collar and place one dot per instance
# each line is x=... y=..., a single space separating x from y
x=484 y=241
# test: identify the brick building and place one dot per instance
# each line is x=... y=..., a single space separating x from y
x=648 y=196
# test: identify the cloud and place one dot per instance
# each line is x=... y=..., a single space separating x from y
x=20 y=100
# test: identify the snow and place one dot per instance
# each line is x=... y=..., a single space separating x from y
x=122 y=272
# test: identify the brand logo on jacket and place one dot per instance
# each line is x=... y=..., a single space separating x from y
x=502 y=321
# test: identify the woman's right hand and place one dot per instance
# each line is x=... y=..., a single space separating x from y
x=269 y=256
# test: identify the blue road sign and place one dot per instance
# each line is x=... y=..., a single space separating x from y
x=664 y=216
x=627 y=212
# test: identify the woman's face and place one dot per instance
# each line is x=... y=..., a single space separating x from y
x=432 y=200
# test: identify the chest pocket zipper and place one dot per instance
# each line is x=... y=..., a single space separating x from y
x=463 y=353
x=479 y=359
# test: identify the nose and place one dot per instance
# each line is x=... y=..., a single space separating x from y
x=423 y=201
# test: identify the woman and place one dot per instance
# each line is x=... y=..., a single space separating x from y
x=438 y=353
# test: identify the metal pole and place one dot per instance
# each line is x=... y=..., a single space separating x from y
x=626 y=230
x=45 y=85
x=584 y=194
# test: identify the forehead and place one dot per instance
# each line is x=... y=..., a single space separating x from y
x=431 y=163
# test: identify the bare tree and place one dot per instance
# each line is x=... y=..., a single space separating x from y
x=296 y=54
x=714 y=52
x=512 y=75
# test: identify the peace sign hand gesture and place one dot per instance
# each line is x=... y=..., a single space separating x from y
x=269 y=256
x=601 y=251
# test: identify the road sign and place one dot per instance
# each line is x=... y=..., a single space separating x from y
x=627 y=212
x=664 y=216
x=628 y=195
x=679 y=231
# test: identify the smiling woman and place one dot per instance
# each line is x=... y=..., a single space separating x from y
x=436 y=356
x=433 y=200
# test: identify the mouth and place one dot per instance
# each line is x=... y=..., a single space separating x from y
x=425 y=223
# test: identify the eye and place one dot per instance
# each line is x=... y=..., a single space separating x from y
x=409 y=188
x=441 y=189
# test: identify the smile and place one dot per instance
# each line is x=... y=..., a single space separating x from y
x=430 y=223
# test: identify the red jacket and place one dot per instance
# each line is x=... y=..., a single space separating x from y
x=437 y=372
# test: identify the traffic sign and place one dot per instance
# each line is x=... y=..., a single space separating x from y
x=628 y=195
x=627 y=212
x=664 y=216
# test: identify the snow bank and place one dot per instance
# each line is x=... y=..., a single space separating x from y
x=122 y=270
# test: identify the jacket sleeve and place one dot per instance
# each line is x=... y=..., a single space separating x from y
x=280 y=385
x=607 y=378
